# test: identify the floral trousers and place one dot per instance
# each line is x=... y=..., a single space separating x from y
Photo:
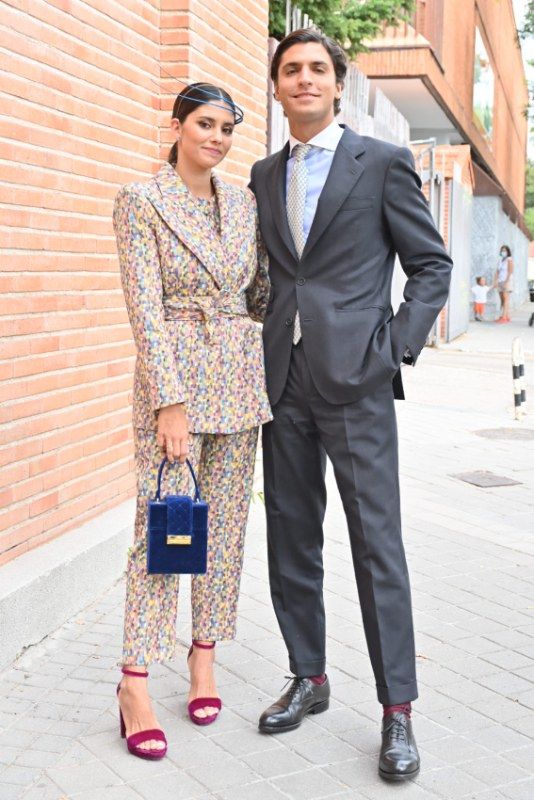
x=224 y=465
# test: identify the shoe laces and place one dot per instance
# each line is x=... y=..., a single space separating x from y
x=397 y=731
x=294 y=680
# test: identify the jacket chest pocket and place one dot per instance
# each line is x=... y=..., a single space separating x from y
x=358 y=203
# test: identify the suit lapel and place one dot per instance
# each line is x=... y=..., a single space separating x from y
x=175 y=204
x=277 y=193
x=344 y=173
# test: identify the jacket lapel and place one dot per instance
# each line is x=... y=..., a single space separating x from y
x=277 y=193
x=229 y=232
x=176 y=206
x=343 y=176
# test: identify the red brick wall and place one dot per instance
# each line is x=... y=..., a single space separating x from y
x=451 y=80
x=88 y=110
x=506 y=151
x=175 y=63
x=228 y=47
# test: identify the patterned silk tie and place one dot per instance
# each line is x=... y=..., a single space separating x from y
x=296 y=199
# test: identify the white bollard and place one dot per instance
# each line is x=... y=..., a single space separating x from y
x=518 y=375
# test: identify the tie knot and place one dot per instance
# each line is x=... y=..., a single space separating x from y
x=300 y=151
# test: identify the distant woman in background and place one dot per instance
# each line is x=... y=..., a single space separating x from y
x=503 y=281
x=195 y=287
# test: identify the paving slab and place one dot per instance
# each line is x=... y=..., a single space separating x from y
x=471 y=557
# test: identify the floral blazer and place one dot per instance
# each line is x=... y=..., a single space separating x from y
x=194 y=300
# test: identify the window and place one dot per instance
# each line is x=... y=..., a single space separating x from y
x=483 y=88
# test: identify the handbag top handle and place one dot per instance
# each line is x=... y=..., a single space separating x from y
x=198 y=498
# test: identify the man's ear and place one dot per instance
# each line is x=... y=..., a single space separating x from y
x=275 y=93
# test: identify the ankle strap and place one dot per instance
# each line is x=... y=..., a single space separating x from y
x=203 y=646
x=126 y=671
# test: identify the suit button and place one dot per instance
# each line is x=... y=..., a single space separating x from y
x=301 y=281
x=289 y=321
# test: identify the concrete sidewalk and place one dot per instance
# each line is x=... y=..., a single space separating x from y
x=471 y=555
x=490 y=337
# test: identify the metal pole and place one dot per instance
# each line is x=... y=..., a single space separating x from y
x=432 y=188
x=288 y=17
x=518 y=377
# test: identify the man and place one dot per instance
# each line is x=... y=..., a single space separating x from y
x=334 y=209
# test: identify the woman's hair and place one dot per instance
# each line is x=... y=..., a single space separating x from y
x=195 y=95
x=306 y=36
x=508 y=251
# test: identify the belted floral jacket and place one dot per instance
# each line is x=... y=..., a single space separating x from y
x=194 y=295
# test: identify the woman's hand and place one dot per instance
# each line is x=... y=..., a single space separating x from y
x=173 y=433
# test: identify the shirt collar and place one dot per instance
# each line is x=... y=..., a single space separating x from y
x=327 y=139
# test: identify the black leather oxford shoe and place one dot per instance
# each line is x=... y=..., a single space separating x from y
x=303 y=697
x=399 y=759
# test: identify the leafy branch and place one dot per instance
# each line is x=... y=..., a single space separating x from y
x=350 y=22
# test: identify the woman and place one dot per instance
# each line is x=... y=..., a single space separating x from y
x=503 y=281
x=193 y=285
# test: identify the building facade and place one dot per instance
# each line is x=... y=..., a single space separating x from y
x=456 y=74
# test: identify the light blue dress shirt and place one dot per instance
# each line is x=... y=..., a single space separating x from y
x=318 y=163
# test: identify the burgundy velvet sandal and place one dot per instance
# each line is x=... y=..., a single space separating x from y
x=203 y=702
x=134 y=741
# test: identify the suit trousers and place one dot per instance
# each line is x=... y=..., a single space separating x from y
x=224 y=464
x=360 y=439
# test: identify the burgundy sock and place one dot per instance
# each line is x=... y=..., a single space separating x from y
x=318 y=679
x=406 y=708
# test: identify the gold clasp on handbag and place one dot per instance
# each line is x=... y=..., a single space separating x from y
x=178 y=539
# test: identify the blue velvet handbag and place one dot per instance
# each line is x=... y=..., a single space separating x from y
x=177 y=531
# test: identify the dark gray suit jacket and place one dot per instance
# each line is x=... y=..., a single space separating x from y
x=371 y=207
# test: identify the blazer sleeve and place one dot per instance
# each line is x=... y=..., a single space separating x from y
x=422 y=255
x=133 y=221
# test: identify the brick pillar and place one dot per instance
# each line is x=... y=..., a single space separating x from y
x=224 y=44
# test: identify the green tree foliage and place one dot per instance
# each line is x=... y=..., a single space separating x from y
x=525 y=32
x=347 y=21
x=528 y=28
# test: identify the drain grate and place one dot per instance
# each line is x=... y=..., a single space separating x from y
x=507 y=434
x=485 y=479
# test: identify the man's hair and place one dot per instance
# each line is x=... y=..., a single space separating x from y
x=310 y=35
